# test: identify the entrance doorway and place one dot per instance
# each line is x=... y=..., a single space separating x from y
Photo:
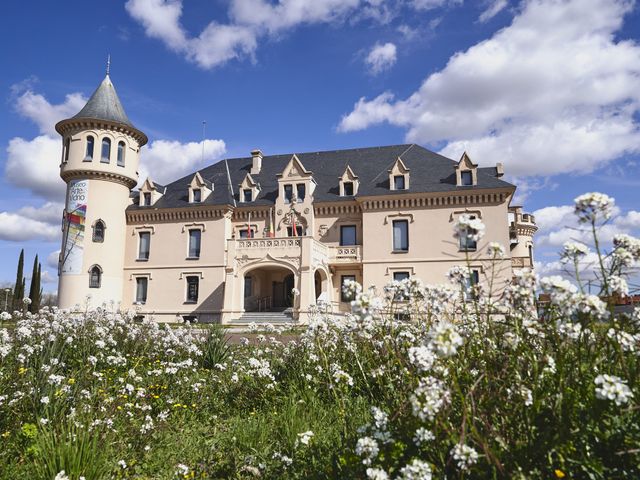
x=268 y=288
x=282 y=295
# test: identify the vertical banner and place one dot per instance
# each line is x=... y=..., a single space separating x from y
x=75 y=218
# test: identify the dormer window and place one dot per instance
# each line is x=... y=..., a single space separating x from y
x=199 y=189
x=300 y=192
x=348 y=189
x=466 y=172
x=247 y=195
x=248 y=189
x=288 y=193
x=399 y=176
x=147 y=198
x=197 y=195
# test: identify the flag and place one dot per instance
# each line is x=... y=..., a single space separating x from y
x=249 y=232
x=294 y=232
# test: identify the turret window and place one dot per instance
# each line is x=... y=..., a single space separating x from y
x=88 y=156
x=95 y=276
x=65 y=155
x=121 y=150
x=98 y=231
x=106 y=150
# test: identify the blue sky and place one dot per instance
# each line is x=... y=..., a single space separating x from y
x=548 y=87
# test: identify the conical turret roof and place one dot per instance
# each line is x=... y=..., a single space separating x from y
x=104 y=104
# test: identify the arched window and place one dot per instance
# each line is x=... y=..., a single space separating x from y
x=89 y=153
x=98 y=231
x=121 y=148
x=95 y=276
x=106 y=150
x=65 y=154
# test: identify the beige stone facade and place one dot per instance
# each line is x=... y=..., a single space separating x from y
x=265 y=234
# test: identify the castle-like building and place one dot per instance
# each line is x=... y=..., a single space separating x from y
x=275 y=234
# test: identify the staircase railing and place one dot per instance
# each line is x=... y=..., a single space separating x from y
x=265 y=303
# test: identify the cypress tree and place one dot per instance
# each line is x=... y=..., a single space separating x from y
x=33 y=288
x=18 y=290
x=38 y=299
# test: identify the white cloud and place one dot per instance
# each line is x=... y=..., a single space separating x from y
x=166 y=161
x=553 y=92
x=250 y=20
x=50 y=212
x=432 y=4
x=47 y=277
x=381 y=58
x=494 y=8
x=34 y=165
x=45 y=115
x=18 y=228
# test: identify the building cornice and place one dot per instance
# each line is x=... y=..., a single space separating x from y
x=71 y=124
x=176 y=214
x=98 y=175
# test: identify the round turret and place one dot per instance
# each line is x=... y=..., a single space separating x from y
x=100 y=156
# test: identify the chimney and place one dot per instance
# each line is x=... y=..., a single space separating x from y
x=499 y=170
x=257 y=161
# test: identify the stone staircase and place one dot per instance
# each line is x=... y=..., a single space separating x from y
x=275 y=318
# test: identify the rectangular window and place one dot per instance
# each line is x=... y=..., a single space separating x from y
x=474 y=279
x=247 y=195
x=345 y=296
x=466 y=178
x=192 y=289
x=298 y=231
x=144 y=245
x=288 y=193
x=194 y=243
x=348 y=189
x=348 y=235
x=466 y=242
x=399 y=276
x=400 y=235
x=141 y=289
x=248 y=284
x=300 y=191
x=147 y=198
x=246 y=233
x=398 y=182
x=197 y=195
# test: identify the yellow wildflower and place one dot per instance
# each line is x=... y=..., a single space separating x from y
x=559 y=473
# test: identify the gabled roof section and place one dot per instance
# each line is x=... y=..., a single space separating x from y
x=465 y=161
x=430 y=172
x=104 y=104
x=249 y=182
x=399 y=166
x=199 y=181
x=348 y=174
x=149 y=185
x=295 y=168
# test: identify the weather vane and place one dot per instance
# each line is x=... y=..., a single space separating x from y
x=108 y=63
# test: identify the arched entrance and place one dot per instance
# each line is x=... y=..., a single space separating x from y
x=268 y=288
x=321 y=286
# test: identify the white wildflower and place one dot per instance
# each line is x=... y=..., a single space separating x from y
x=445 y=339
x=367 y=448
x=464 y=456
x=423 y=435
x=593 y=206
x=305 y=437
x=613 y=388
x=495 y=250
x=416 y=470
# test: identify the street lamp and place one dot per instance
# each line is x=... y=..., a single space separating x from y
x=6 y=299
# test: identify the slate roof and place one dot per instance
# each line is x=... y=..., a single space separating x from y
x=104 y=104
x=429 y=172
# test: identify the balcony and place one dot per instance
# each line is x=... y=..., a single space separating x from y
x=520 y=224
x=521 y=262
x=345 y=254
x=276 y=247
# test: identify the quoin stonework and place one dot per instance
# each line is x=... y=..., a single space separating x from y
x=267 y=236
